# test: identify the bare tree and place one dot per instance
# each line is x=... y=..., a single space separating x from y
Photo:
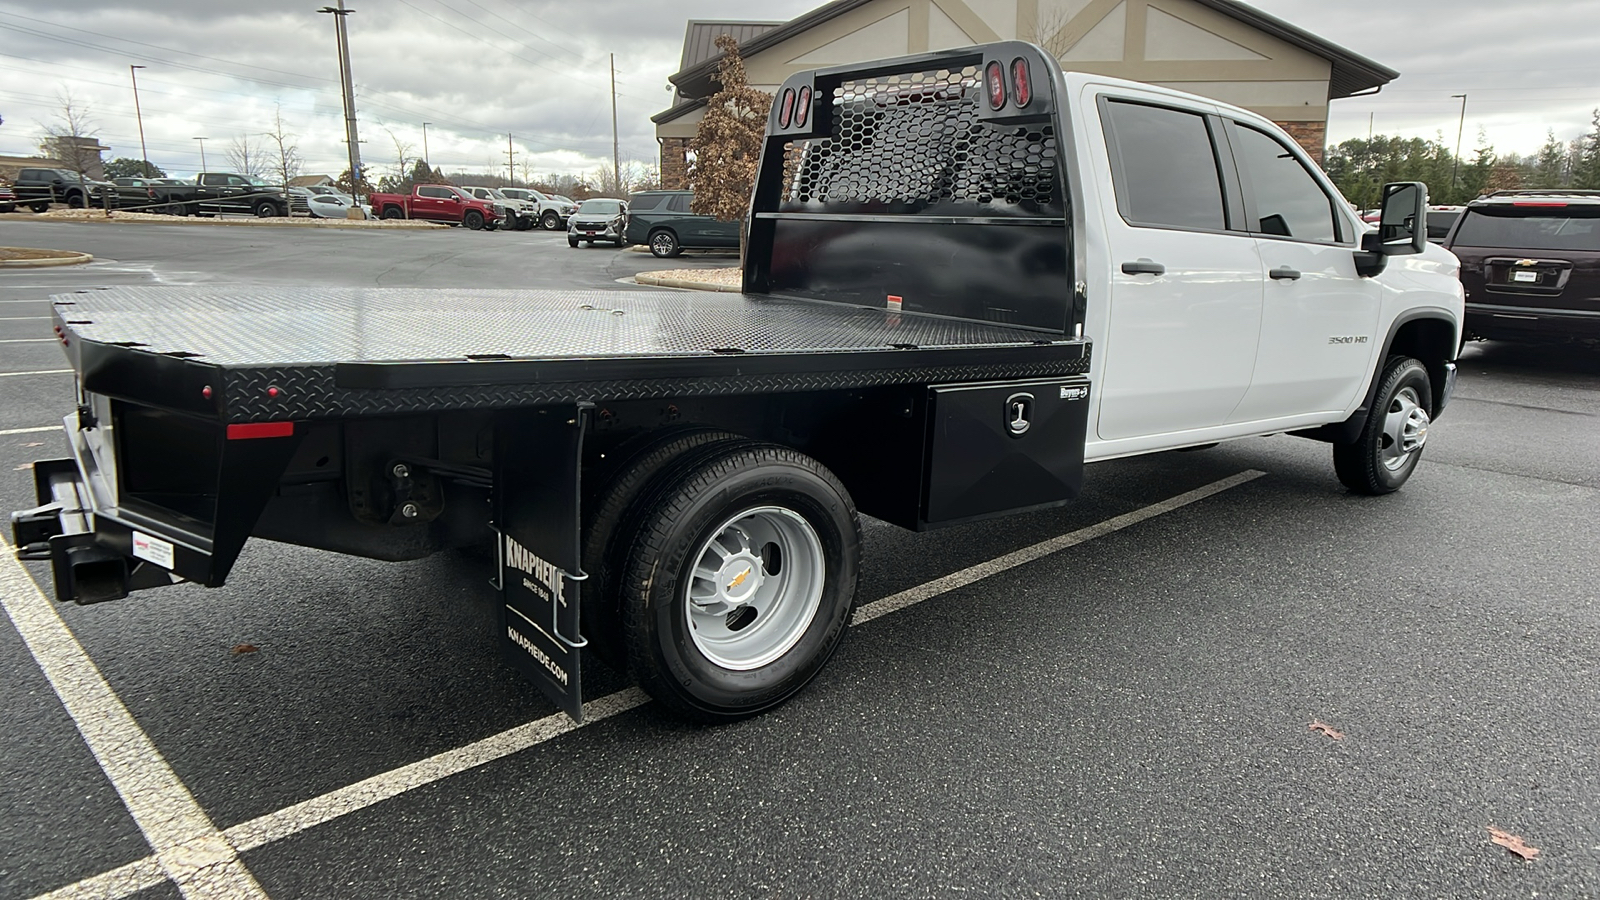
x=246 y=157
x=727 y=143
x=609 y=182
x=287 y=161
x=73 y=138
x=402 y=154
x=648 y=178
x=1047 y=30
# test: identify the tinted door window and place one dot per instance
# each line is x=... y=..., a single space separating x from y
x=1288 y=201
x=642 y=202
x=679 y=203
x=1164 y=167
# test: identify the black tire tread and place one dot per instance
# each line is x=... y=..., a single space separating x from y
x=611 y=516
x=668 y=500
x=1356 y=463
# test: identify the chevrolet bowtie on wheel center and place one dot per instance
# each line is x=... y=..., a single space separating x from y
x=967 y=274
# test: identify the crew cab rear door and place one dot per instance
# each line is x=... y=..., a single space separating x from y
x=1185 y=287
x=1319 y=318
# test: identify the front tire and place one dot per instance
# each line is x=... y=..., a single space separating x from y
x=473 y=220
x=266 y=209
x=551 y=221
x=1391 y=442
x=739 y=583
x=572 y=242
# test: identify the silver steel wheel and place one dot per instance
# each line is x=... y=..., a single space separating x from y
x=756 y=586
x=1405 y=429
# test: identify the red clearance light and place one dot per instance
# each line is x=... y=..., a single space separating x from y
x=802 y=106
x=996 y=78
x=254 y=430
x=786 y=112
x=1537 y=203
x=1020 y=81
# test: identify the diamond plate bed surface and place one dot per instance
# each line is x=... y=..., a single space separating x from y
x=265 y=327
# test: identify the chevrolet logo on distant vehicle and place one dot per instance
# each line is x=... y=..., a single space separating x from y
x=1527 y=262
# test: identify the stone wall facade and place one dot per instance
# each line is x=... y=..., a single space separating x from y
x=1312 y=136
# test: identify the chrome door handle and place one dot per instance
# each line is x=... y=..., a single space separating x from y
x=1284 y=273
x=1143 y=266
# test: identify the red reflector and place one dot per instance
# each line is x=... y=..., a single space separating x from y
x=996 y=78
x=786 y=112
x=1537 y=203
x=260 y=430
x=802 y=106
x=1019 y=81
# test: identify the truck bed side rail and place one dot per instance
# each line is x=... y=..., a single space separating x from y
x=881 y=185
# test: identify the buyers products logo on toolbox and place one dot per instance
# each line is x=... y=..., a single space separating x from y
x=545 y=578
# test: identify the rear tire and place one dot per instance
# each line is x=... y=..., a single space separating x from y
x=1391 y=443
x=40 y=207
x=392 y=212
x=664 y=245
x=611 y=520
x=739 y=583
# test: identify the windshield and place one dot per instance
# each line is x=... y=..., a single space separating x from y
x=600 y=206
x=516 y=193
x=565 y=199
x=1532 y=228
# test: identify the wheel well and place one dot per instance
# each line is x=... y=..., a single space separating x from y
x=660 y=229
x=1431 y=342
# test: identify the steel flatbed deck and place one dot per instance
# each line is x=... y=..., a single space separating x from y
x=261 y=354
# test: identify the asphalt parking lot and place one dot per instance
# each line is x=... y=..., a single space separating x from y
x=1112 y=699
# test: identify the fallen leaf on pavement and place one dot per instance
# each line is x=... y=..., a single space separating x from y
x=35 y=444
x=23 y=468
x=1513 y=843
x=1328 y=730
x=246 y=648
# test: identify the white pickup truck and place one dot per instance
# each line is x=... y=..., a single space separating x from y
x=967 y=274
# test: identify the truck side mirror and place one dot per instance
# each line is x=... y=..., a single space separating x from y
x=1402 y=221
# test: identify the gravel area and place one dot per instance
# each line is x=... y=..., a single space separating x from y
x=727 y=277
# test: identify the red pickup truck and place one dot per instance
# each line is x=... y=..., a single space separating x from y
x=439 y=203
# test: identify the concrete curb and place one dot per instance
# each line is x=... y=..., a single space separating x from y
x=74 y=259
x=655 y=280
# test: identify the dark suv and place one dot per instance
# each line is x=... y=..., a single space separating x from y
x=662 y=220
x=1530 y=264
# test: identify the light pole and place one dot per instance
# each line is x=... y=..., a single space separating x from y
x=351 y=140
x=143 y=153
x=1459 y=126
x=202 y=153
x=425 y=160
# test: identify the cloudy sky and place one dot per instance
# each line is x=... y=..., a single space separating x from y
x=478 y=69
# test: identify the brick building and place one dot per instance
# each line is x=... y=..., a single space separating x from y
x=1216 y=48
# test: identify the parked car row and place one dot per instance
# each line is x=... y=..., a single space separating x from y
x=209 y=194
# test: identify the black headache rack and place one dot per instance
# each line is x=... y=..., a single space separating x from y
x=905 y=184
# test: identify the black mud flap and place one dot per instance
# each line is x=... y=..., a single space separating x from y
x=538 y=456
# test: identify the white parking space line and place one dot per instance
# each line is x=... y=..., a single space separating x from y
x=29 y=341
x=320 y=810
x=188 y=847
x=934 y=588
x=310 y=813
x=11 y=431
x=41 y=372
x=24 y=318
